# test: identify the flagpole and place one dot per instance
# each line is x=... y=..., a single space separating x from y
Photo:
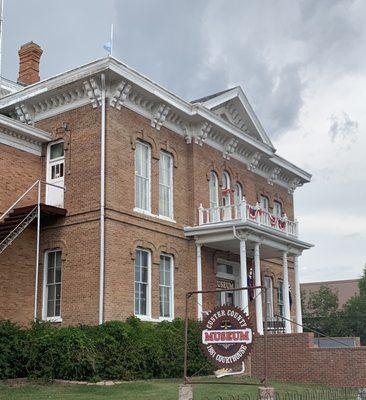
x=1 y=36
x=111 y=38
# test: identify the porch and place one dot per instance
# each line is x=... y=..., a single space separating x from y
x=249 y=232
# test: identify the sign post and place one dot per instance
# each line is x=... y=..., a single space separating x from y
x=227 y=336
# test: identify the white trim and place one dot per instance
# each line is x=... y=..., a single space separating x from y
x=149 y=214
x=171 y=187
x=20 y=144
x=148 y=290
x=148 y=163
x=171 y=317
x=190 y=110
x=57 y=318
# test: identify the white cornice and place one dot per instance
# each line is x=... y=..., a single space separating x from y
x=21 y=136
x=133 y=90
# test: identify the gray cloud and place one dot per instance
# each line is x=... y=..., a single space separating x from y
x=283 y=53
x=343 y=128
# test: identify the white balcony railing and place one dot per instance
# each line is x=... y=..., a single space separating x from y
x=246 y=212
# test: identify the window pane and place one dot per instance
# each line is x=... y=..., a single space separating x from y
x=50 y=308
x=141 y=281
x=165 y=286
x=51 y=292
x=56 y=151
x=57 y=308
x=142 y=183
x=165 y=184
x=213 y=189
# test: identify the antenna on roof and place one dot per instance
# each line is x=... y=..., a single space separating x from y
x=1 y=35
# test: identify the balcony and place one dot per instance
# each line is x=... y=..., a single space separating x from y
x=244 y=212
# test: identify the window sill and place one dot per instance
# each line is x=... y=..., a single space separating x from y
x=146 y=318
x=150 y=214
x=53 y=319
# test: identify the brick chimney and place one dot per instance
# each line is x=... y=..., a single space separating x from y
x=29 y=58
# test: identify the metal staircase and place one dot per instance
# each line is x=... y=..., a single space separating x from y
x=16 y=219
x=15 y=223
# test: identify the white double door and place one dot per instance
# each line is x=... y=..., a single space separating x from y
x=227 y=277
x=55 y=174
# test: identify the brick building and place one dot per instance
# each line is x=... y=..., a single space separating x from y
x=143 y=196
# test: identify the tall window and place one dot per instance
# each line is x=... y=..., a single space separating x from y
x=264 y=206
x=166 y=185
x=277 y=208
x=269 y=298
x=238 y=195
x=142 y=282
x=264 y=203
x=226 y=195
x=281 y=306
x=142 y=174
x=214 y=196
x=52 y=288
x=166 y=286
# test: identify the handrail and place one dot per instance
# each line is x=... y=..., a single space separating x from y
x=26 y=192
x=19 y=199
x=246 y=212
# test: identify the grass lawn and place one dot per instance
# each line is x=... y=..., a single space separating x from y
x=141 y=390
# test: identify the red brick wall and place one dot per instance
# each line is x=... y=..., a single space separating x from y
x=18 y=171
x=78 y=233
x=293 y=358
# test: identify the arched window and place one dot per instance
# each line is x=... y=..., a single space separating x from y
x=214 y=193
x=225 y=180
x=238 y=193
x=226 y=195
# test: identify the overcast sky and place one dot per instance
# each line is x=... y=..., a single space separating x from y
x=302 y=65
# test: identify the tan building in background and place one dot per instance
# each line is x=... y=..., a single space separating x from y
x=345 y=289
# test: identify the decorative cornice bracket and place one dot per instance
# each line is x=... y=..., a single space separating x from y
x=294 y=184
x=254 y=161
x=229 y=148
x=159 y=116
x=120 y=95
x=22 y=113
x=93 y=91
x=274 y=175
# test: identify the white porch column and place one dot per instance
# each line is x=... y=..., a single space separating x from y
x=286 y=297
x=199 y=280
x=243 y=276
x=258 y=292
x=298 y=296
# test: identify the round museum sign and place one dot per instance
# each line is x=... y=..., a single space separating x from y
x=226 y=336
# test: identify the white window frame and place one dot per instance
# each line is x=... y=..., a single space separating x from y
x=266 y=200
x=171 y=299
x=170 y=187
x=56 y=318
x=214 y=190
x=146 y=316
x=148 y=194
x=277 y=208
x=269 y=295
x=280 y=303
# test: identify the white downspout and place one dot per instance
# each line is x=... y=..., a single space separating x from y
x=37 y=249
x=102 y=204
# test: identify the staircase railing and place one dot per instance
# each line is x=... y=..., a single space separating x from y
x=18 y=200
x=35 y=213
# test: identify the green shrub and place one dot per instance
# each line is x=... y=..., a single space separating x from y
x=115 y=350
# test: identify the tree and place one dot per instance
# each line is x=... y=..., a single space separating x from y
x=355 y=312
x=321 y=312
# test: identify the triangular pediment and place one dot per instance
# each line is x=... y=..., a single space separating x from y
x=232 y=106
